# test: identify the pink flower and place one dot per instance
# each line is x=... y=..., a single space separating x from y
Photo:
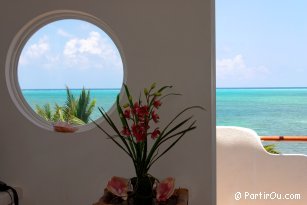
x=126 y=131
x=157 y=103
x=139 y=132
x=155 y=133
x=127 y=113
x=165 y=189
x=135 y=107
x=144 y=125
x=118 y=186
x=142 y=112
x=155 y=116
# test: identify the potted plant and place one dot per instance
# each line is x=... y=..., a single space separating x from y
x=139 y=124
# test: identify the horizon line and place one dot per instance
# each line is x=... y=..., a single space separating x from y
x=71 y=88
x=297 y=87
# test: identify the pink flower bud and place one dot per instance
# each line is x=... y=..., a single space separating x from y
x=118 y=186
x=155 y=133
x=165 y=189
x=157 y=103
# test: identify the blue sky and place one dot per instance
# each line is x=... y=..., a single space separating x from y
x=70 y=52
x=261 y=43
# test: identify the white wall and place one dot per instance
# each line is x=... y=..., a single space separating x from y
x=247 y=174
x=165 y=41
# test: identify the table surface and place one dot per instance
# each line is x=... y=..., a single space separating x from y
x=181 y=194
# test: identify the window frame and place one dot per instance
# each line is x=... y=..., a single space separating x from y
x=17 y=45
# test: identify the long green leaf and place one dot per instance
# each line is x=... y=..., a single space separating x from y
x=159 y=91
x=111 y=123
x=128 y=96
x=174 y=135
x=164 y=87
x=180 y=113
x=169 y=94
x=162 y=136
x=175 y=142
x=125 y=124
x=154 y=147
x=174 y=128
x=110 y=137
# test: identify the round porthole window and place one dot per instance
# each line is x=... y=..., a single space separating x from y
x=61 y=67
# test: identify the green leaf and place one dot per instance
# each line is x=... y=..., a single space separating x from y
x=120 y=112
x=164 y=87
x=158 y=93
x=153 y=86
x=145 y=91
x=125 y=124
x=75 y=121
x=59 y=114
x=112 y=138
x=173 y=144
x=162 y=136
x=111 y=123
x=45 y=112
x=271 y=148
x=129 y=96
x=156 y=144
x=178 y=133
x=170 y=94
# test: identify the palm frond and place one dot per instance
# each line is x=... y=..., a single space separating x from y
x=90 y=108
x=45 y=111
x=70 y=106
x=76 y=121
x=84 y=105
x=58 y=114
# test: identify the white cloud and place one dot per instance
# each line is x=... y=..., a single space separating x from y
x=91 y=52
x=235 y=72
x=38 y=49
x=71 y=49
x=63 y=33
x=23 y=60
x=80 y=51
x=34 y=51
x=93 y=44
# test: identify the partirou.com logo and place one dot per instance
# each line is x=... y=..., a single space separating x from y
x=267 y=196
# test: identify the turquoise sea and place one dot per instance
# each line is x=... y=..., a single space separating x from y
x=268 y=111
x=104 y=98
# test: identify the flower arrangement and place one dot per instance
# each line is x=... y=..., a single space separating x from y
x=139 y=124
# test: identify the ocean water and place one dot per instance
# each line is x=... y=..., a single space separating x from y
x=104 y=98
x=269 y=111
x=281 y=111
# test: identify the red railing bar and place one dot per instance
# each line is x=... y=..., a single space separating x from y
x=284 y=138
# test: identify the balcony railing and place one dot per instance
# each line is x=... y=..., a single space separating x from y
x=284 y=138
